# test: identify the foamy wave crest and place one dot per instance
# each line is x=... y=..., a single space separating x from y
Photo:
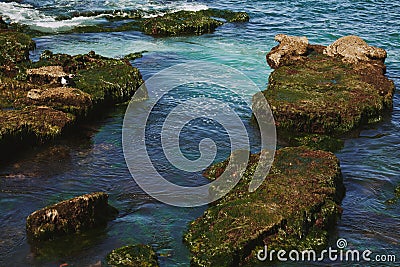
x=28 y=15
x=74 y=16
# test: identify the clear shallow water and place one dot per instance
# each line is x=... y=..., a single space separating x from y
x=93 y=159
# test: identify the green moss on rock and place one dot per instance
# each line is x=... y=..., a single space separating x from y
x=38 y=124
x=316 y=93
x=190 y=22
x=313 y=141
x=70 y=216
x=293 y=208
x=14 y=48
x=180 y=23
x=106 y=80
x=34 y=106
x=134 y=255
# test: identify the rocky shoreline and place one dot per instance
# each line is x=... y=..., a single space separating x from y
x=42 y=100
x=317 y=95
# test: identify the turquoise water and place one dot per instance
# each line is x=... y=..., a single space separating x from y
x=93 y=160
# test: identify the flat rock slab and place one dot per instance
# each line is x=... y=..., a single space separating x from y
x=292 y=209
x=317 y=93
x=134 y=255
x=70 y=216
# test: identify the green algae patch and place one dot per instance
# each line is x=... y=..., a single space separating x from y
x=106 y=80
x=11 y=90
x=39 y=100
x=190 y=22
x=14 y=48
x=180 y=23
x=320 y=94
x=293 y=208
x=134 y=255
x=38 y=124
x=313 y=141
x=396 y=197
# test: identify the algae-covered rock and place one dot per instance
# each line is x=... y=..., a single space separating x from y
x=70 y=216
x=180 y=23
x=134 y=255
x=190 y=22
x=34 y=106
x=324 y=95
x=106 y=80
x=14 y=47
x=292 y=209
x=36 y=124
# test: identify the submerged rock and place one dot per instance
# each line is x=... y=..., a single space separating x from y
x=317 y=93
x=292 y=209
x=135 y=255
x=70 y=216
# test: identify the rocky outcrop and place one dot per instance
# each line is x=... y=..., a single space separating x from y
x=38 y=100
x=290 y=48
x=353 y=49
x=70 y=216
x=292 y=209
x=190 y=22
x=315 y=93
x=32 y=125
x=134 y=255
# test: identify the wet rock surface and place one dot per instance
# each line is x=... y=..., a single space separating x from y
x=133 y=255
x=70 y=216
x=292 y=209
x=190 y=22
x=39 y=99
x=319 y=94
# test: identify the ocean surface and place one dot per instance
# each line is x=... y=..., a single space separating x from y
x=92 y=158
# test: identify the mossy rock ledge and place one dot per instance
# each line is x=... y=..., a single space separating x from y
x=190 y=22
x=40 y=100
x=70 y=216
x=330 y=90
x=134 y=255
x=294 y=208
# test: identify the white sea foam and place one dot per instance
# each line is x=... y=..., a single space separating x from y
x=37 y=20
x=27 y=14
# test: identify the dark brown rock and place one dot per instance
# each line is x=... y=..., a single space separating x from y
x=70 y=216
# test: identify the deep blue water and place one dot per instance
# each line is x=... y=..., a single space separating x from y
x=93 y=159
